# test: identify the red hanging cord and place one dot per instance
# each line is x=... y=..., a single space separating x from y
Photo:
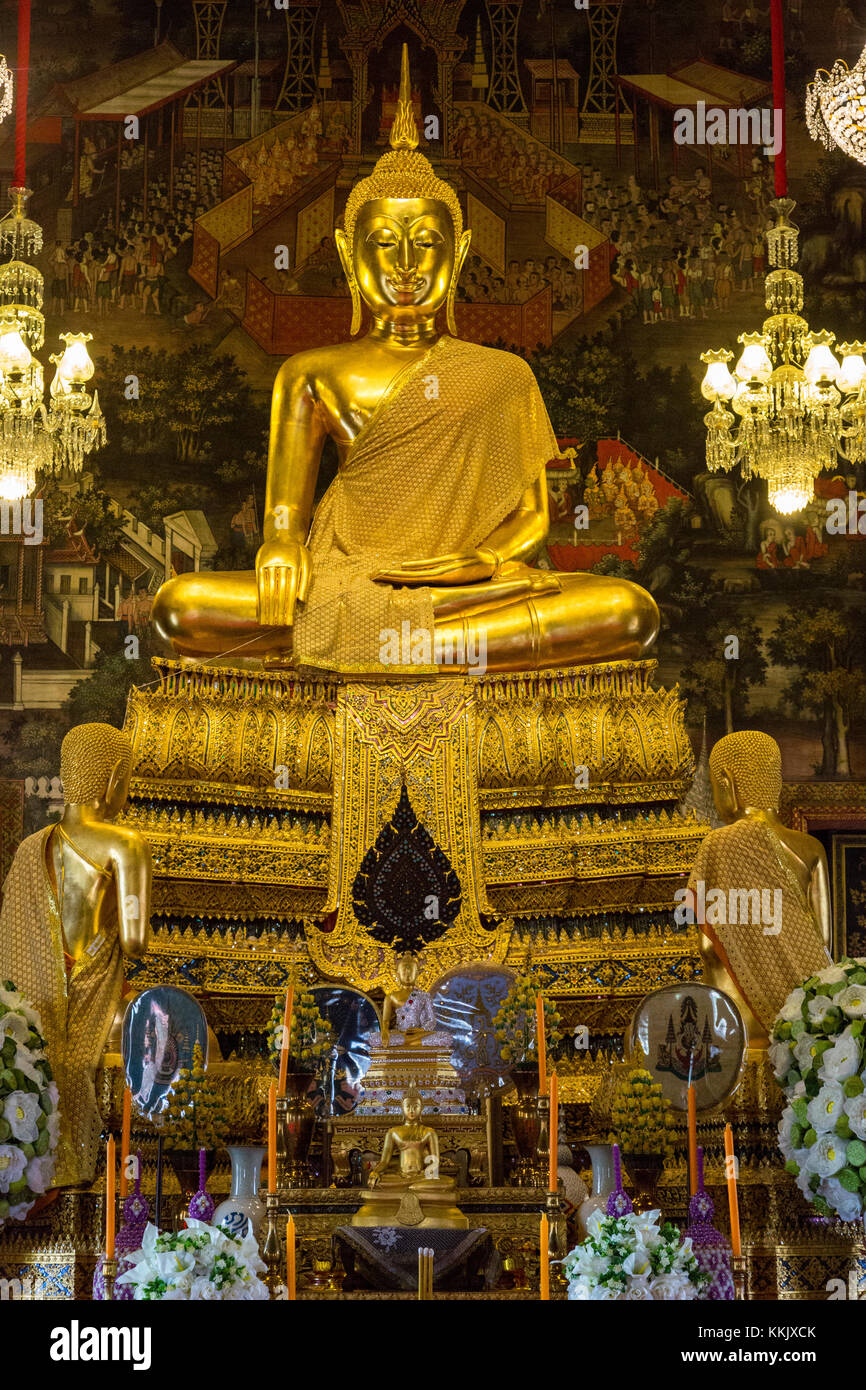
x=21 y=76
x=777 y=34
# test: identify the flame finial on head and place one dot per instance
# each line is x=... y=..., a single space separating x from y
x=404 y=131
x=402 y=171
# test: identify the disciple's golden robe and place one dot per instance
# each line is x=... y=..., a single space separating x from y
x=446 y=456
x=765 y=964
x=76 y=1009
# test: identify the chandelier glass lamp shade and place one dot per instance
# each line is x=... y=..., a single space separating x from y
x=836 y=107
x=789 y=408
x=6 y=88
x=35 y=437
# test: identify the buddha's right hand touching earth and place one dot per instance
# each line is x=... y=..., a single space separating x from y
x=283 y=572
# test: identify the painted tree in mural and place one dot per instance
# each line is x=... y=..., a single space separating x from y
x=724 y=663
x=825 y=647
x=178 y=404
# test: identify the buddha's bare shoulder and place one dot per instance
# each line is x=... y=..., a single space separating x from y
x=806 y=847
x=320 y=366
x=117 y=839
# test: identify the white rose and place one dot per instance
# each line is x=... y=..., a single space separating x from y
x=791 y=1009
x=831 y=975
x=781 y=1055
x=638 y=1290
x=841 y=1060
x=852 y=1001
x=824 y=1110
x=804 y=1052
x=826 y=1156
x=847 y=1205
x=855 y=1109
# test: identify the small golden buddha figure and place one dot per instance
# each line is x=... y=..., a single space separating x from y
x=440 y=503
x=404 y=1188
x=760 y=891
x=410 y=1052
x=75 y=901
x=409 y=1007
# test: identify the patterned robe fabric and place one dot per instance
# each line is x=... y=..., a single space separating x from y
x=76 y=1009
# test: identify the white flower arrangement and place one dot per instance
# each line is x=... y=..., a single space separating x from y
x=818 y=1052
x=632 y=1258
x=29 y=1118
x=202 y=1262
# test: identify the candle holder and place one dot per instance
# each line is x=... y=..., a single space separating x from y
x=543 y=1149
x=271 y=1252
x=739 y=1272
x=296 y=1121
x=557 y=1243
x=109 y=1274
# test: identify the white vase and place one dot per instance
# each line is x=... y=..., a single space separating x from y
x=601 y=1158
x=243 y=1203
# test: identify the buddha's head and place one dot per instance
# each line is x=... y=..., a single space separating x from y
x=746 y=771
x=403 y=243
x=95 y=767
x=413 y=1105
x=406 y=968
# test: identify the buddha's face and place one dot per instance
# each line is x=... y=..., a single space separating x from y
x=403 y=256
x=407 y=969
x=412 y=1109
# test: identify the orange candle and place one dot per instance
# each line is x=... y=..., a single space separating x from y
x=272 y=1137
x=554 y=1130
x=287 y=1030
x=124 y=1140
x=733 y=1201
x=693 y=1141
x=290 y=1257
x=540 y=1043
x=544 y=1259
x=109 y=1197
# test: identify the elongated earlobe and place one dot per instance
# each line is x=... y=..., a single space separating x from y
x=345 y=253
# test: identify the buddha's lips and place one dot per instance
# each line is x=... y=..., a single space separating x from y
x=406 y=288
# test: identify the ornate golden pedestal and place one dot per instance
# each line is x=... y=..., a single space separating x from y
x=419 y=1205
x=393 y=1069
x=552 y=794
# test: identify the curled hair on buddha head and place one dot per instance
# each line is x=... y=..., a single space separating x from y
x=88 y=755
x=402 y=172
x=412 y=1093
x=753 y=762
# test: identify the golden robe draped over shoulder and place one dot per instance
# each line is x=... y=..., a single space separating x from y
x=765 y=966
x=76 y=1012
x=446 y=456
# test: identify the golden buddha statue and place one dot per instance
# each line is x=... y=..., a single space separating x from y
x=440 y=502
x=75 y=901
x=760 y=891
x=410 y=1006
x=409 y=1053
x=404 y=1188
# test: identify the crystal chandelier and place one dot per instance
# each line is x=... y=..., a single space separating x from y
x=5 y=89
x=836 y=107
x=794 y=409
x=35 y=438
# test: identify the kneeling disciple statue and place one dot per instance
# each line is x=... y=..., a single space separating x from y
x=75 y=901
x=759 y=891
